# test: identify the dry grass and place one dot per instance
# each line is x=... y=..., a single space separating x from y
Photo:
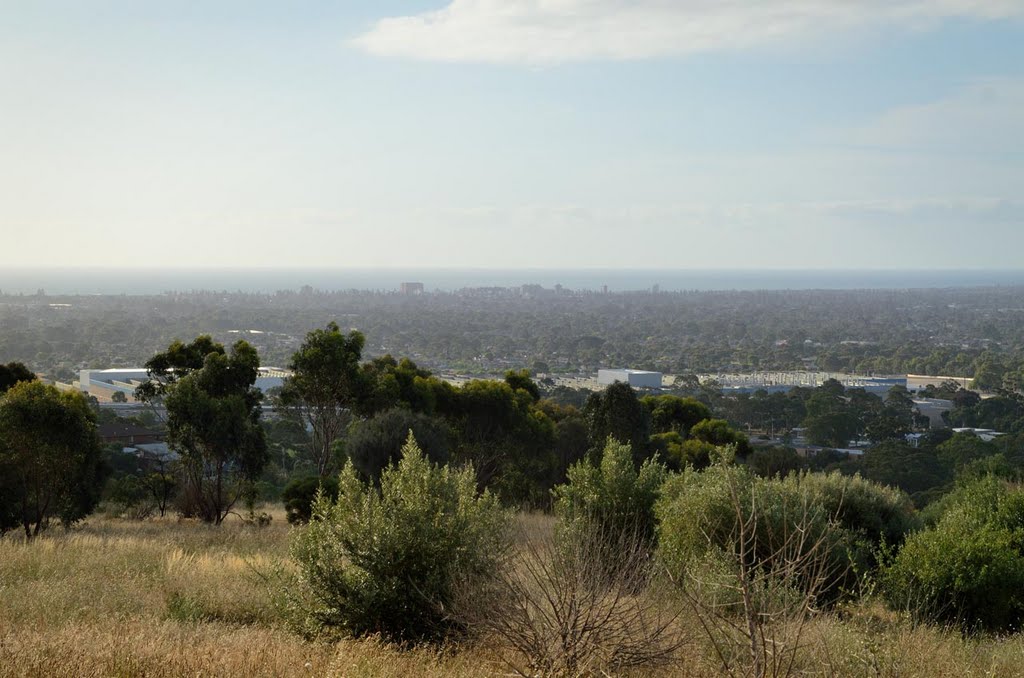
x=565 y=610
x=163 y=598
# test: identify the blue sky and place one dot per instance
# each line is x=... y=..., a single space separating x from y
x=513 y=133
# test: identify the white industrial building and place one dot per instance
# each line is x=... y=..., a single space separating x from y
x=104 y=383
x=635 y=378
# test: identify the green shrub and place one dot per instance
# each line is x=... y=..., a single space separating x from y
x=775 y=461
x=677 y=453
x=614 y=495
x=969 y=569
x=695 y=513
x=873 y=513
x=717 y=432
x=387 y=560
x=699 y=516
x=128 y=495
x=299 y=494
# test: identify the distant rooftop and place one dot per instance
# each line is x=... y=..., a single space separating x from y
x=275 y=371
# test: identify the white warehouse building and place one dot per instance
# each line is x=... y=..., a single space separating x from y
x=104 y=383
x=635 y=378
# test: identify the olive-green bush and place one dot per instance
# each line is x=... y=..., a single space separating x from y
x=969 y=569
x=874 y=514
x=700 y=512
x=386 y=560
x=613 y=500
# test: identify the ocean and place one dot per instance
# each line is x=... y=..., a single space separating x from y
x=156 y=280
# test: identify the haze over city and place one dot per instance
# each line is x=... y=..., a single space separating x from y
x=511 y=134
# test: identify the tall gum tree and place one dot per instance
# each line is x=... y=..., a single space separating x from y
x=213 y=419
x=323 y=388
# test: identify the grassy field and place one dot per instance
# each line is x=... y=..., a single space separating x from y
x=169 y=598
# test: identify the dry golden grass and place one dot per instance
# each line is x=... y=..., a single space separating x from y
x=169 y=598
x=163 y=598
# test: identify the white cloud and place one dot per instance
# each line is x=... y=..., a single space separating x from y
x=558 y=31
x=984 y=117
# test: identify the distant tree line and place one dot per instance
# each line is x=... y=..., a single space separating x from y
x=967 y=332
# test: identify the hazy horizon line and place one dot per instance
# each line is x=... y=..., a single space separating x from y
x=95 y=280
x=631 y=269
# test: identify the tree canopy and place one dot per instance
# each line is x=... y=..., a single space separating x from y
x=12 y=373
x=50 y=457
x=213 y=419
x=323 y=388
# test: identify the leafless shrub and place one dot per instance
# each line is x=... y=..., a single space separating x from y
x=564 y=610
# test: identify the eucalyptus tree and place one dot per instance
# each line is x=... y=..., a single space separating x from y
x=12 y=373
x=213 y=420
x=323 y=388
x=51 y=461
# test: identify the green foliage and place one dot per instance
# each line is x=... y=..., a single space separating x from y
x=696 y=516
x=613 y=499
x=696 y=454
x=872 y=513
x=323 y=387
x=299 y=494
x=718 y=433
x=128 y=495
x=915 y=470
x=988 y=375
x=12 y=373
x=507 y=439
x=677 y=453
x=388 y=383
x=775 y=461
x=571 y=435
x=969 y=569
x=1001 y=413
x=387 y=560
x=832 y=420
x=213 y=419
x=288 y=443
x=772 y=412
x=178 y=360
x=51 y=461
x=486 y=410
x=668 y=447
x=996 y=465
x=670 y=413
x=962 y=449
x=700 y=512
x=376 y=443
x=519 y=380
x=139 y=486
x=618 y=413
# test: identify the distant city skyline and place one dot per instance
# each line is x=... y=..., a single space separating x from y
x=74 y=281
x=513 y=134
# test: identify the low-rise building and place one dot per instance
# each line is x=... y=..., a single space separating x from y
x=635 y=378
x=104 y=384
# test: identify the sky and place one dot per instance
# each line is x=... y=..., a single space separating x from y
x=512 y=133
